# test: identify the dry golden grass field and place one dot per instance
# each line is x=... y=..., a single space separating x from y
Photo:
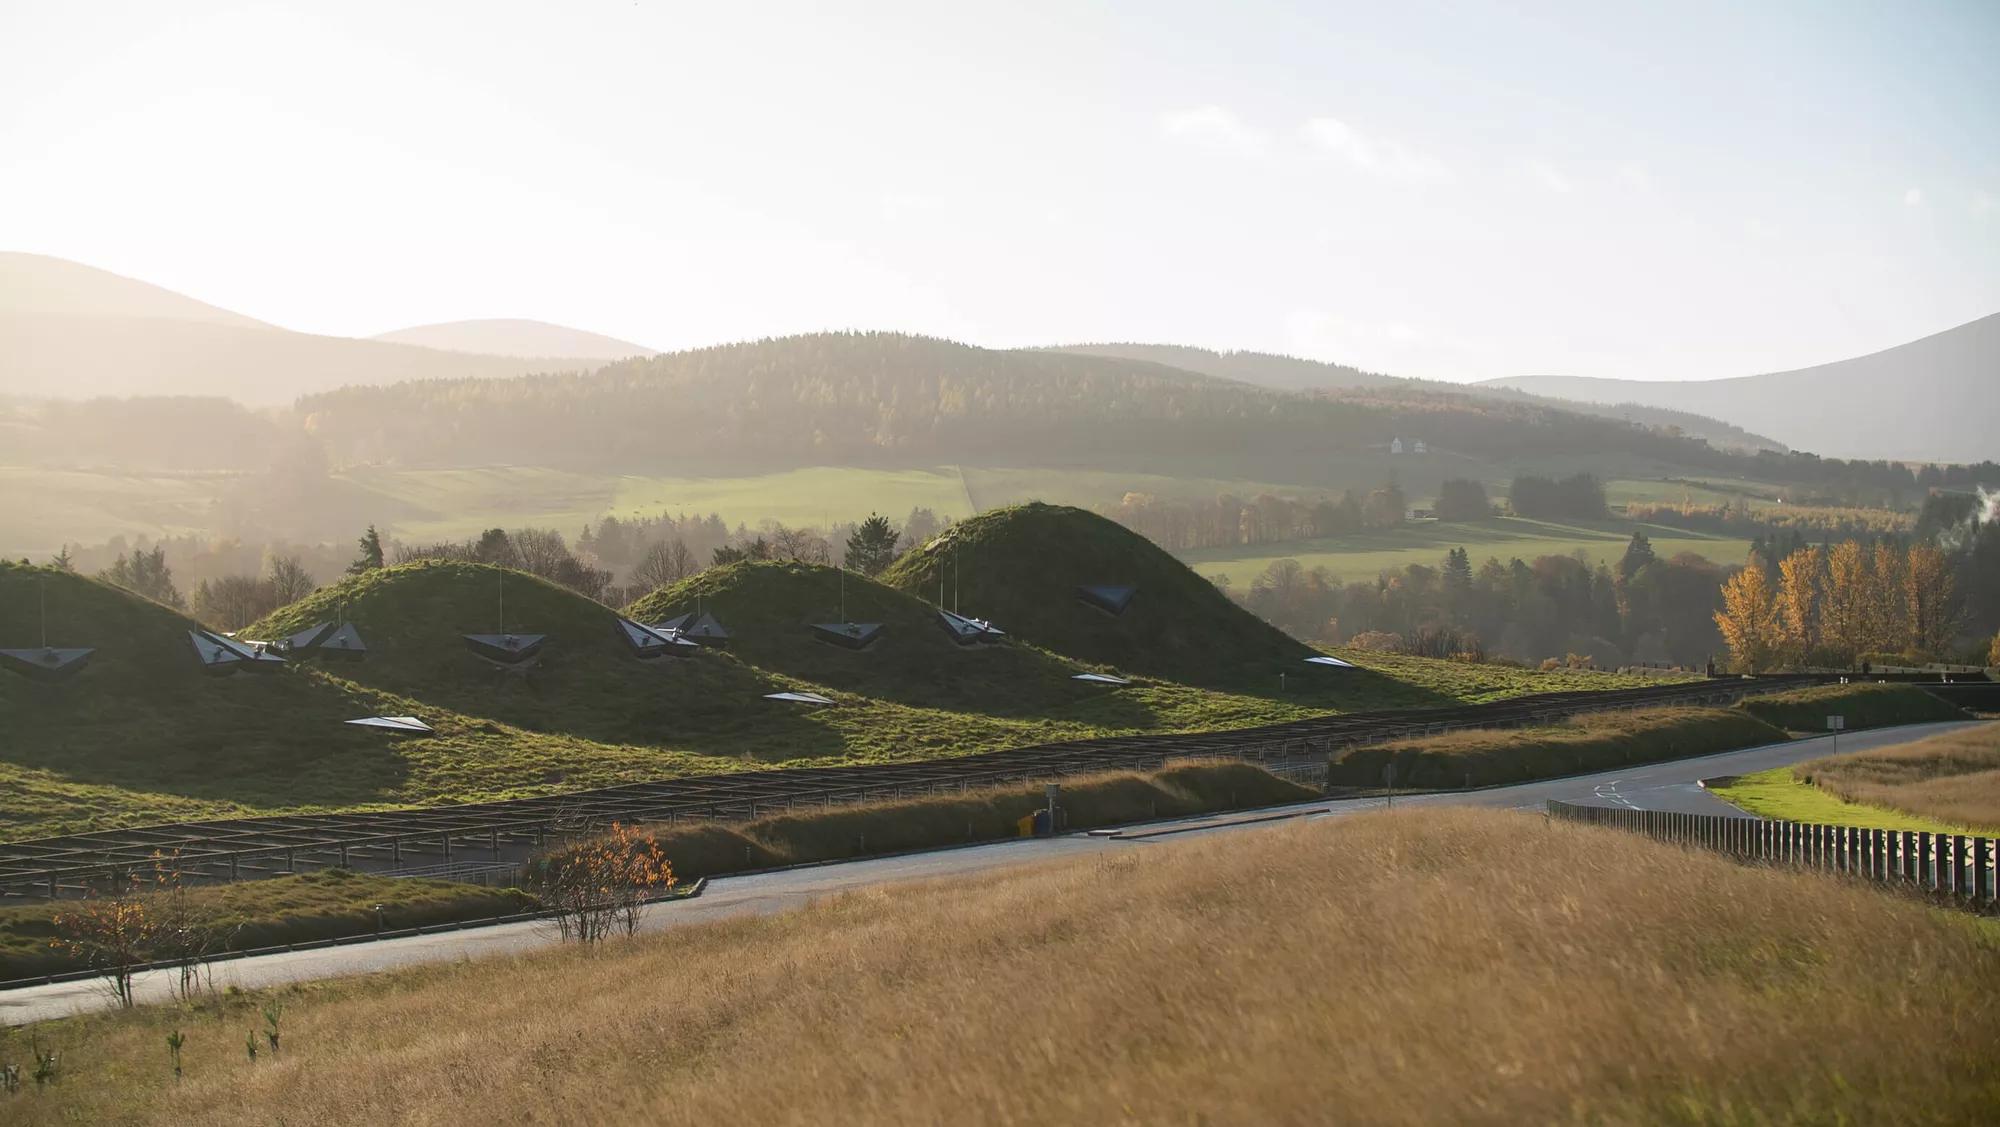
x=1412 y=967
x=1953 y=777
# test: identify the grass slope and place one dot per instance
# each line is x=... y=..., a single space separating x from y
x=1336 y=970
x=1952 y=776
x=1778 y=793
x=1020 y=566
x=292 y=909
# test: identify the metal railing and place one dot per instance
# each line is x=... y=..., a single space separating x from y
x=1953 y=865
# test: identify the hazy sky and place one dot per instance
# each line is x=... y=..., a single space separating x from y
x=1450 y=190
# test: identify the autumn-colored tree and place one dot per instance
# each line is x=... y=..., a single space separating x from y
x=1930 y=601
x=600 y=884
x=1888 y=600
x=1749 y=621
x=112 y=935
x=1844 y=605
x=1993 y=652
x=1801 y=580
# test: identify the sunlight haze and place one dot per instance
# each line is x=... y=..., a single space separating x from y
x=1450 y=191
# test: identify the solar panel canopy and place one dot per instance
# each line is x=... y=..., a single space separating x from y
x=506 y=649
x=222 y=656
x=47 y=663
x=409 y=725
x=799 y=698
x=344 y=644
x=1110 y=599
x=849 y=635
x=650 y=642
x=969 y=631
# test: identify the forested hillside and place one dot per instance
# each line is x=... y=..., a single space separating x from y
x=880 y=398
x=1292 y=373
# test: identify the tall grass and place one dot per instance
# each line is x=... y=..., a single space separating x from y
x=1953 y=777
x=1591 y=742
x=1425 y=967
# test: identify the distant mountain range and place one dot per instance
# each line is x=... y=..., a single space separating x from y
x=517 y=337
x=1291 y=373
x=73 y=331
x=1935 y=399
x=69 y=331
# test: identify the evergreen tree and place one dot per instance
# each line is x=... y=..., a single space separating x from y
x=1638 y=554
x=371 y=553
x=872 y=545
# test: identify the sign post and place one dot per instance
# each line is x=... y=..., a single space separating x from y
x=1834 y=724
x=1389 y=780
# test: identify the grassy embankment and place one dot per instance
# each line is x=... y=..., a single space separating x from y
x=1599 y=741
x=1870 y=705
x=1948 y=783
x=143 y=736
x=335 y=903
x=1110 y=799
x=292 y=909
x=1331 y=969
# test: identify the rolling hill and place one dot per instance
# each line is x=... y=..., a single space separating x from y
x=1929 y=400
x=1291 y=373
x=73 y=332
x=516 y=337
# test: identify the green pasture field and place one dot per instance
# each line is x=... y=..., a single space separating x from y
x=1365 y=555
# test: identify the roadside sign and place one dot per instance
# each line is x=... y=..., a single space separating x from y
x=1836 y=723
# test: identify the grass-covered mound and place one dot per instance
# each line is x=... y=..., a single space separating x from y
x=1592 y=742
x=770 y=606
x=1872 y=705
x=143 y=717
x=327 y=904
x=587 y=683
x=1021 y=567
x=143 y=736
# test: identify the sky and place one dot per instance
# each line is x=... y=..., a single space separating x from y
x=1457 y=191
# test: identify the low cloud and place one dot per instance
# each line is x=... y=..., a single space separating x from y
x=1913 y=198
x=1215 y=128
x=1378 y=157
x=1549 y=177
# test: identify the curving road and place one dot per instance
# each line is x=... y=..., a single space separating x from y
x=1659 y=786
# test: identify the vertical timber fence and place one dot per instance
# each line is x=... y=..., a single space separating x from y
x=1953 y=865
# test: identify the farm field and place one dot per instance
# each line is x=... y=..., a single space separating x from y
x=1359 y=976
x=49 y=507
x=45 y=508
x=1364 y=555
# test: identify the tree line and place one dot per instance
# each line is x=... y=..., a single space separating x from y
x=1843 y=606
x=1646 y=609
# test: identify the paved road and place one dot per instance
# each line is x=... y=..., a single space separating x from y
x=1663 y=786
